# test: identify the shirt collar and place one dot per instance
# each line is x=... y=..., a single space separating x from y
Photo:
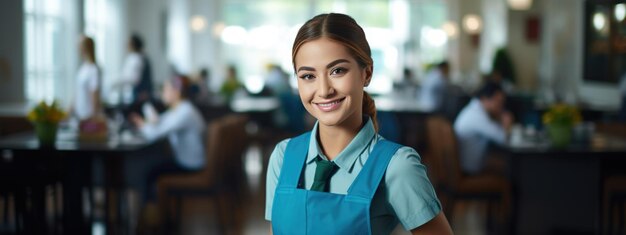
x=350 y=154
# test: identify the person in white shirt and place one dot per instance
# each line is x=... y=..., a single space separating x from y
x=482 y=121
x=184 y=127
x=88 y=83
x=434 y=88
x=136 y=72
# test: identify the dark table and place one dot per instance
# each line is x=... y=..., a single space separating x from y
x=70 y=162
x=559 y=190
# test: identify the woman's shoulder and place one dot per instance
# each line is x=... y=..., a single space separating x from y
x=279 y=150
x=403 y=153
x=406 y=161
x=277 y=156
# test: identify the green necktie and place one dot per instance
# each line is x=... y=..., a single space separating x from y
x=323 y=172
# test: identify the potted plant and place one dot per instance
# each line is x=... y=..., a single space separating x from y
x=559 y=120
x=46 y=117
x=503 y=64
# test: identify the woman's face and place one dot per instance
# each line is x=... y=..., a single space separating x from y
x=331 y=82
x=170 y=95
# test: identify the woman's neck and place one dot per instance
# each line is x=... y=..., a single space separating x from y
x=334 y=139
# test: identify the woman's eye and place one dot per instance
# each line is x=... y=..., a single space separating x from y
x=338 y=71
x=306 y=76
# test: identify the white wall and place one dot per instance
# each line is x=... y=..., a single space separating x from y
x=494 y=35
x=561 y=56
x=11 y=52
x=164 y=25
x=524 y=54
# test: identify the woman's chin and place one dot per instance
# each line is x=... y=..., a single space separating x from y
x=329 y=121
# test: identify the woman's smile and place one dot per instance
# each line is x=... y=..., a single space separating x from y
x=329 y=106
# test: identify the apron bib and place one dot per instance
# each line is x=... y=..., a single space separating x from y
x=301 y=211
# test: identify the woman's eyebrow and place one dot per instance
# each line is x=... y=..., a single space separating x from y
x=330 y=65
x=336 y=62
x=305 y=68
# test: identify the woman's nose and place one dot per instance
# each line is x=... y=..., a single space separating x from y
x=325 y=89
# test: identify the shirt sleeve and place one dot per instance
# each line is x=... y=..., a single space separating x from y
x=170 y=121
x=410 y=193
x=273 y=172
x=491 y=130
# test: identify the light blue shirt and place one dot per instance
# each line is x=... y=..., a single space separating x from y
x=184 y=127
x=475 y=129
x=405 y=195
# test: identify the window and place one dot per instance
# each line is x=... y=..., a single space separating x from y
x=49 y=51
x=605 y=41
x=400 y=32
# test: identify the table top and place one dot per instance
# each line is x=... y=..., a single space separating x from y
x=598 y=143
x=254 y=104
x=398 y=103
x=68 y=140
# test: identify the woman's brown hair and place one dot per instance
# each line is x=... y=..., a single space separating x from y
x=182 y=84
x=88 y=49
x=344 y=30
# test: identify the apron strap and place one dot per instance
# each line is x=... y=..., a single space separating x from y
x=293 y=161
x=365 y=185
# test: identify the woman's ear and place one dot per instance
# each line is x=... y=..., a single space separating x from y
x=368 y=75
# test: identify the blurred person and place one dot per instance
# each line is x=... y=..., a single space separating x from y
x=290 y=115
x=137 y=72
x=184 y=128
x=199 y=90
x=433 y=89
x=407 y=86
x=231 y=83
x=343 y=176
x=277 y=80
x=87 y=103
x=482 y=121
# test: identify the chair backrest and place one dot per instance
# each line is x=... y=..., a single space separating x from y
x=443 y=148
x=235 y=143
x=226 y=142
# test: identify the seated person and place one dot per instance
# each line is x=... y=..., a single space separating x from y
x=184 y=127
x=482 y=121
x=434 y=87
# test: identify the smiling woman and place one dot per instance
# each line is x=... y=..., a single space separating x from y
x=349 y=188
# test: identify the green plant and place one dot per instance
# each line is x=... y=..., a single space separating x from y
x=503 y=64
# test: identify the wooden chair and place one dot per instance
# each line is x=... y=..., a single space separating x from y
x=452 y=182
x=221 y=179
x=614 y=202
x=614 y=186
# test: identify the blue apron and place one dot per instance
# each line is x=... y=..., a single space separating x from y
x=300 y=211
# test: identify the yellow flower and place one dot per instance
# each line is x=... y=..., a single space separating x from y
x=46 y=113
x=562 y=114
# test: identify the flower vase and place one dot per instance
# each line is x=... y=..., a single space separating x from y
x=46 y=133
x=560 y=135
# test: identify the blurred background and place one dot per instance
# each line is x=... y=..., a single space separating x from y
x=557 y=62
